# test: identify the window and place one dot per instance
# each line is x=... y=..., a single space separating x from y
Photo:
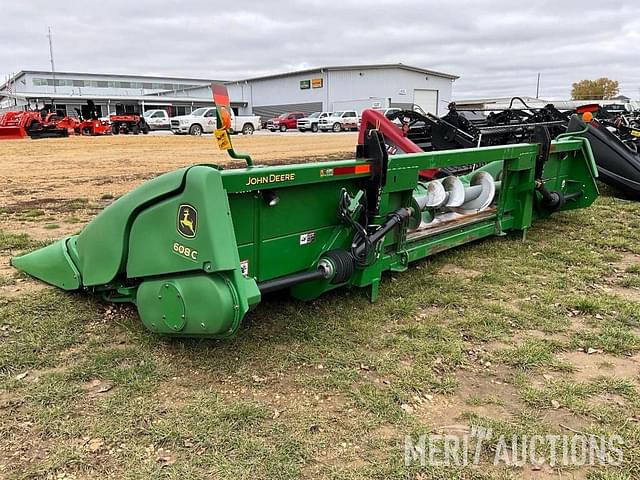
x=87 y=112
x=136 y=85
x=113 y=84
x=159 y=114
x=103 y=84
x=156 y=86
x=147 y=86
x=125 y=84
x=211 y=113
x=40 y=82
x=78 y=83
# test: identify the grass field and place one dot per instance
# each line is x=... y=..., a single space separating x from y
x=533 y=337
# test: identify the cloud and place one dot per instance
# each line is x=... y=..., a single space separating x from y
x=496 y=46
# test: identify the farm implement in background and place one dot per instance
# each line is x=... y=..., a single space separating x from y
x=614 y=134
x=17 y=125
x=128 y=123
x=197 y=248
x=91 y=124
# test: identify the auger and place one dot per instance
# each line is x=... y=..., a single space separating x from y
x=197 y=248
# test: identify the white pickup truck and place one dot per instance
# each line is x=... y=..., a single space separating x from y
x=157 y=119
x=311 y=122
x=338 y=121
x=203 y=120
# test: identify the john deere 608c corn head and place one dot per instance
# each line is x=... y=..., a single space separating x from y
x=197 y=248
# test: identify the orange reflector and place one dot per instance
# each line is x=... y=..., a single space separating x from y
x=587 y=117
x=356 y=169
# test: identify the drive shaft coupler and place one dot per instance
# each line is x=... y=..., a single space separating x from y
x=551 y=200
x=394 y=219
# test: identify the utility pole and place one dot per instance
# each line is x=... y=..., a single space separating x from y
x=53 y=65
x=538 y=87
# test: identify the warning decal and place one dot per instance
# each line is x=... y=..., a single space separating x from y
x=307 y=238
x=244 y=267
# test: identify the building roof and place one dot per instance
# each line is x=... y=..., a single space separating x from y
x=502 y=103
x=623 y=98
x=114 y=75
x=264 y=77
x=497 y=100
x=337 y=68
x=150 y=99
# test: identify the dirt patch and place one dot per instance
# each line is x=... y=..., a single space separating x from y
x=15 y=286
x=545 y=472
x=488 y=394
x=628 y=259
x=615 y=284
x=563 y=421
x=632 y=294
x=21 y=287
x=590 y=367
x=451 y=269
x=5 y=266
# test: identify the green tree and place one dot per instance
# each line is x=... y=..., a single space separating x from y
x=600 y=89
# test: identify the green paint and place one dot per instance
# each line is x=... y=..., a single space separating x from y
x=204 y=285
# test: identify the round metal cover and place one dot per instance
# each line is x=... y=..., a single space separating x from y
x=172 y=307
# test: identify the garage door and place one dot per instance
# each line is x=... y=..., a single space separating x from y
x=427 y=100
x=269 y=111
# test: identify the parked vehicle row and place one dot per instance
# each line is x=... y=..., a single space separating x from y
x=203 y=120
x=345 y=120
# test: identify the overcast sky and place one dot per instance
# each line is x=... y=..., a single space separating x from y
x=497 y=47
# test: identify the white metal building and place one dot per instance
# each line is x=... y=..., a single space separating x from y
x=66 y=91
x=354 y=87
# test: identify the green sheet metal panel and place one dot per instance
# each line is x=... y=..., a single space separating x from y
x=190 y=231
x=102 y=246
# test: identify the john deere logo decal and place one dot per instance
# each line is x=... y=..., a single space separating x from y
x=187 y=221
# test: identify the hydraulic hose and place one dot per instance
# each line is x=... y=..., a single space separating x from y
x=394 y=219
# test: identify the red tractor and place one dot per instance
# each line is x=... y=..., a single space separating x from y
x=17 y=125
x=128 y=123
